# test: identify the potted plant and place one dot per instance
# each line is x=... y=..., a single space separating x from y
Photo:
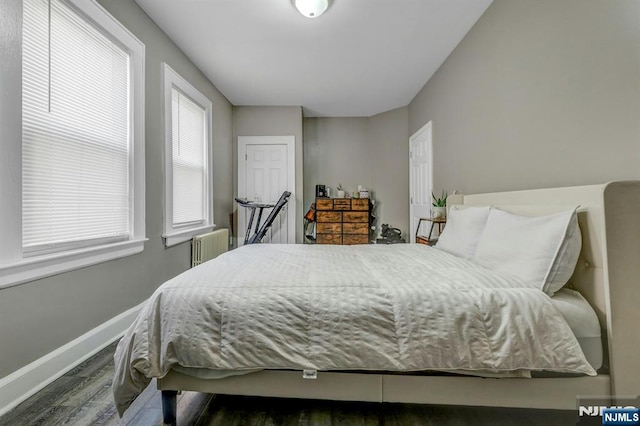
x=439 y=209
x=340 y=191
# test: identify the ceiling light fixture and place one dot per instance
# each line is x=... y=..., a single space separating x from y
x=311 y=8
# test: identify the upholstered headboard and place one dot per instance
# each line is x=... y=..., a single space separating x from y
x=608 y=271
x=588 y=277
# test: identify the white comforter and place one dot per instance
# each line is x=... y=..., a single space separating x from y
x=402 y=307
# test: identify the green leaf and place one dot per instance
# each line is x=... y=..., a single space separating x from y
x=439 y=202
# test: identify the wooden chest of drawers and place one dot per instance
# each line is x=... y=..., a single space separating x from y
x=342 y=220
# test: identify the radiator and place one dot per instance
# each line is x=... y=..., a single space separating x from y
x=208 y=246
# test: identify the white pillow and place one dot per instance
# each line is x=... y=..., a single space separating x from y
x=541 y=250
x=463 y=230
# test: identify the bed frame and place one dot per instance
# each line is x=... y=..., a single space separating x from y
x=607 y=275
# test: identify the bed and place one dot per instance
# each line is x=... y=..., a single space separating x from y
x=346 y=363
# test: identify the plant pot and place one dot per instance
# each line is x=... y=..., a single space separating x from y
x=438 y=212
x=340 y=193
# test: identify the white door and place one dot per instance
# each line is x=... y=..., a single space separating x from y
x=420 y=179
x=265 y=170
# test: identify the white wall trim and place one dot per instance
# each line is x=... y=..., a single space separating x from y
x=186 y=235
x=23 y=383
x=15 y=267
x=42 y=266
x=175 y=234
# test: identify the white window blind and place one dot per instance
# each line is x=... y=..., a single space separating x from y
x=189 y=141
x=76 y=130
x=188 y=199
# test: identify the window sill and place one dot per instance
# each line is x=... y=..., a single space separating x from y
x=52 y=264
x=177 y=237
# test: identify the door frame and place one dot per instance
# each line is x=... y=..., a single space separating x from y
x=290 y=142
x=428 y=129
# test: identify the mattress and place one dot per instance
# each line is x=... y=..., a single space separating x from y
x=575 y=309
x=583 y=322
x=403 y=308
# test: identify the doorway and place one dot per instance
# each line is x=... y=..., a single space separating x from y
x=420 y=178
x=266 y=168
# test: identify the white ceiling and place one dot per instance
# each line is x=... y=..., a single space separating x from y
x=360 y=58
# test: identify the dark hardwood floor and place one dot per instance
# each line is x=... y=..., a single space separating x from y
x=83 y=397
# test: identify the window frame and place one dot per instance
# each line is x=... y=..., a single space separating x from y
x=18 y=266
x=178 y=234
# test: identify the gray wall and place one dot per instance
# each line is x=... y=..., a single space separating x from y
x=335 y=151
x=389 y=163
x=40 y=316
x=538 y=94
x=271 y=121
x=373 y=152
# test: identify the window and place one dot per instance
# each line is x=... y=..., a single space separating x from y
x=188 y=179
x=82 y=175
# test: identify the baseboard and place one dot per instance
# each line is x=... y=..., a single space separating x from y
x=31 y=378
